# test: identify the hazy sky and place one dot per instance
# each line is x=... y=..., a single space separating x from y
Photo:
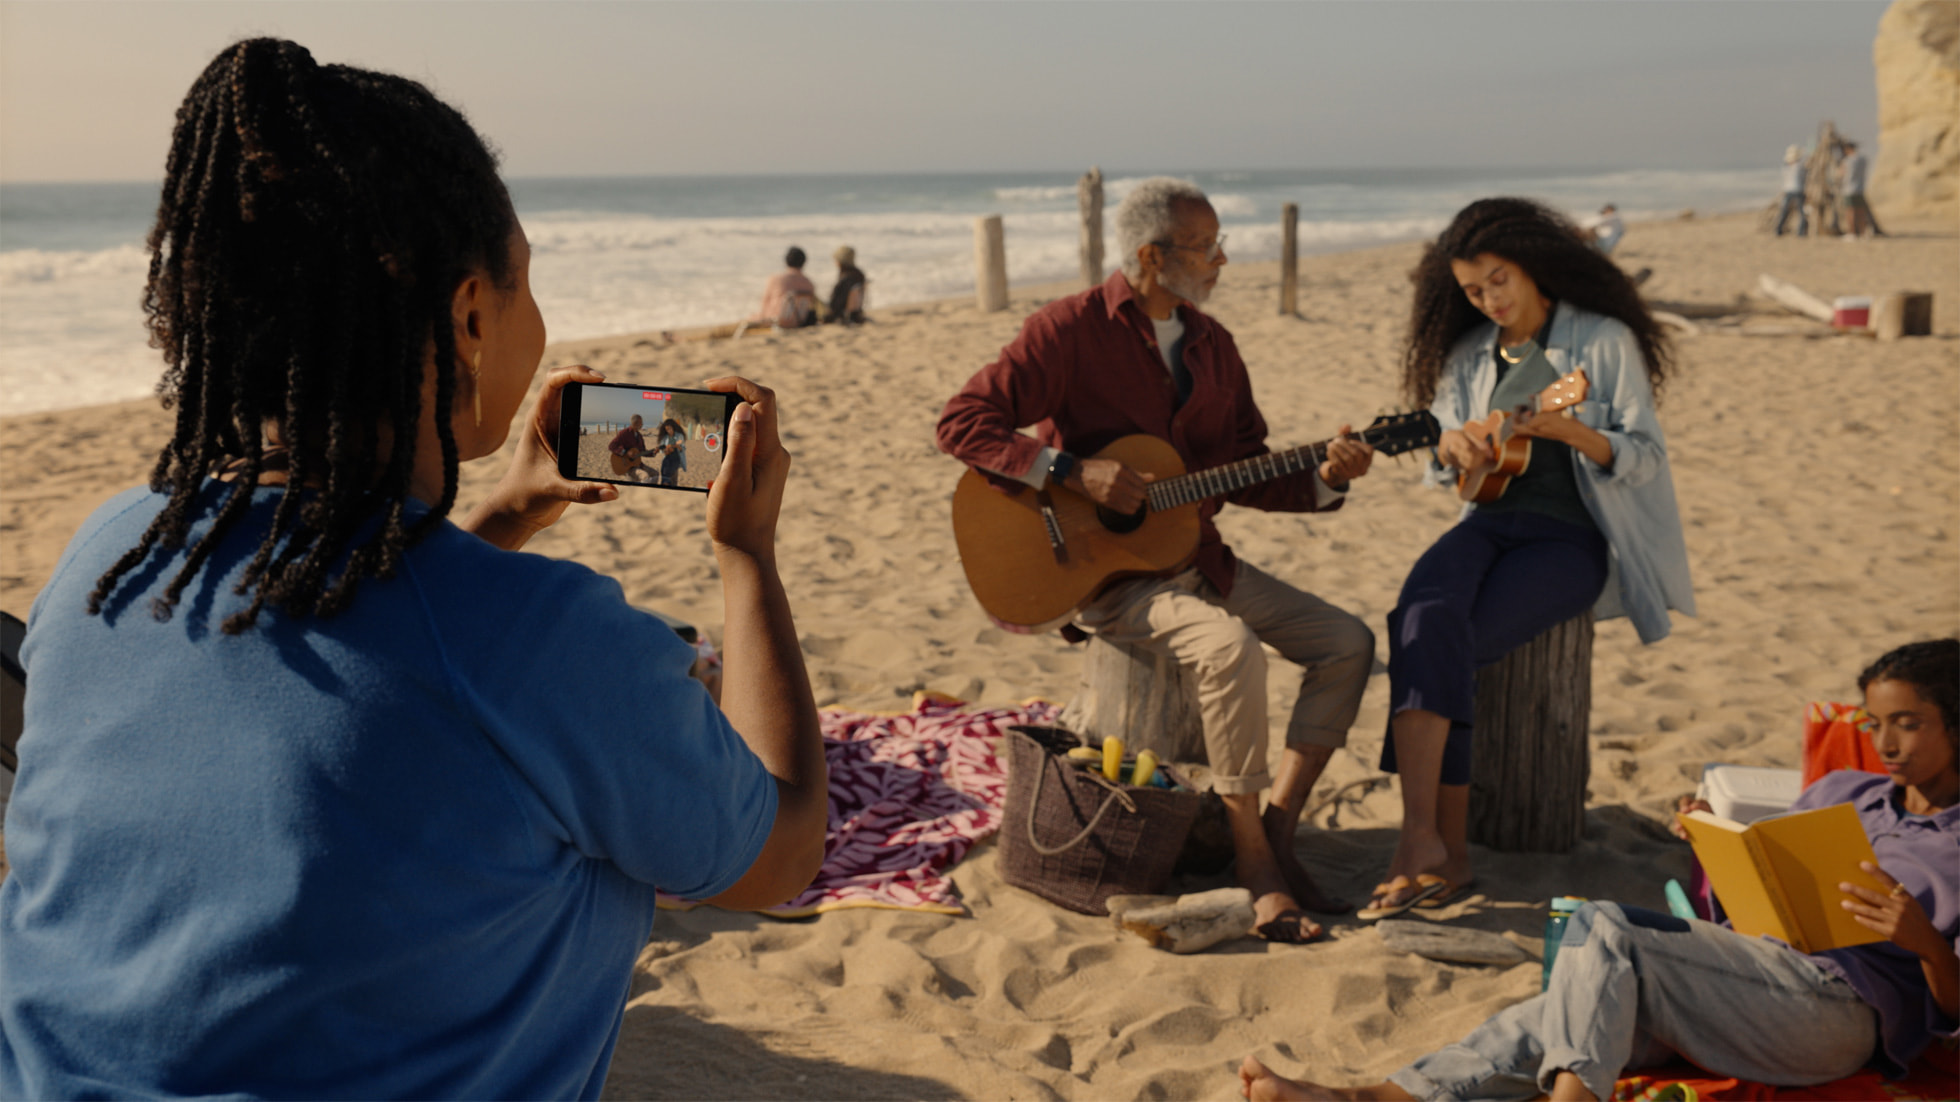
x=87 y=90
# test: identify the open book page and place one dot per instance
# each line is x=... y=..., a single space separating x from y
x=1780 y=876
x=1812 y=852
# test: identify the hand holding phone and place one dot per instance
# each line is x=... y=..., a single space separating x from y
x=631 y=434
x=746 y=501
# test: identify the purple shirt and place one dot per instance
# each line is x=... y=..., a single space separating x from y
x=1923 y=853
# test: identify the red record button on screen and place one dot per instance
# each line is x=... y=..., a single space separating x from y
x=712 y=441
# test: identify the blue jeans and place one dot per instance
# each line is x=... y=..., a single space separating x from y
x=1634 y=988
x=1793 y=201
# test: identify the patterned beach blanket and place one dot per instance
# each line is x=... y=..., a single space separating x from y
x=910 y=794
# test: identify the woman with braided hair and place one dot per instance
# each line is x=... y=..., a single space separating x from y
x=1511 y=301
x=322 y=792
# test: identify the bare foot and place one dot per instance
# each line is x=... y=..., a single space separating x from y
x=1258 y=1083
x=1299 y=884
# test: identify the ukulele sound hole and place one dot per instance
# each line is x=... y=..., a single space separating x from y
x=1122 y=523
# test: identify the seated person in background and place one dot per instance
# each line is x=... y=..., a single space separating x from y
x=789 y=299
x=1137 y=355
x=1631 y=988
x=1605 y=229
x=847 y=297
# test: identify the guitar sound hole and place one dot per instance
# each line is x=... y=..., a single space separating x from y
x=1122 y=523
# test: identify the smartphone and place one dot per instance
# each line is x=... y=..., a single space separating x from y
x=634 y=435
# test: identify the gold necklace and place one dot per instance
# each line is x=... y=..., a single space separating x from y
x=1520 y=357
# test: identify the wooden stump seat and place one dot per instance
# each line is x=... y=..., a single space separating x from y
x=1533 y=758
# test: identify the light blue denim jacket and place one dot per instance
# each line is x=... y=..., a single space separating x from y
x=1633 y=503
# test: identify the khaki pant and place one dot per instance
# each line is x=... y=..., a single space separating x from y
x=1217 y=639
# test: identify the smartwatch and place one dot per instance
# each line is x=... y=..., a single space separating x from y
x=1059 y=470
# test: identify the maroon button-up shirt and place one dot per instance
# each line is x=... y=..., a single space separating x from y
x=1085 y=371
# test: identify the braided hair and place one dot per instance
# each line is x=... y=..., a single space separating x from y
x=1551 y=251
x=1932 y=668
x=314 y=224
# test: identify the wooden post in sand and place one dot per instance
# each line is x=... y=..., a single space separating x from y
x=1820 y=182
x=1904 y=314
x=1089 y=200
x=1151 y=703
x=1533 y=758
x=990 y=263
x=1142 y=697
x=1289 y=260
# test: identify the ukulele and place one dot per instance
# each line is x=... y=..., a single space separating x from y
x=1034 y=557
x=1510 y=452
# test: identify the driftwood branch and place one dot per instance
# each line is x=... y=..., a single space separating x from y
x=1794 y=298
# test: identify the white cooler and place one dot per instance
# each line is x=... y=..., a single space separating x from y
x=1747 y=793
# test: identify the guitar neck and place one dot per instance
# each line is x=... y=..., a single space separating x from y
x=1214 y=481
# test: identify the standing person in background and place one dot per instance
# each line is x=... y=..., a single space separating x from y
x=323 y=794
x=1851 y=193
x=1508 y=301
x=789 y=299
x=1793 y=192
x=1137 y=355
x=847 y=297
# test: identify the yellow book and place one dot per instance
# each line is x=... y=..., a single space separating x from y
x=1780 y=876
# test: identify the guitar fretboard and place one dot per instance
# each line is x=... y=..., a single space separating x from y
x=1213 y=481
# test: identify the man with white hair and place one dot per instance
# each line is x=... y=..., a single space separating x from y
x=1136 y=355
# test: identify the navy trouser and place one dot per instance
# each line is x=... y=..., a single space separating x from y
x=1489 y=585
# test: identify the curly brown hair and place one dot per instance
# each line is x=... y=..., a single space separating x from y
x=1550 y=250
x=314 y=223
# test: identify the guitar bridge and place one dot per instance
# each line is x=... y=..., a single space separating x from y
x=1053 y=524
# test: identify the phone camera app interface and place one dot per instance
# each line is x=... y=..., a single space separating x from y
x=655 y=437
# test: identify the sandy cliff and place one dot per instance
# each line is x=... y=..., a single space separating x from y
x=1917 y=56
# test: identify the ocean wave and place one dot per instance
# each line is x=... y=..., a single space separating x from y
x=30 y=266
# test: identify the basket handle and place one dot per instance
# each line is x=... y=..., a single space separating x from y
x=1116 y=795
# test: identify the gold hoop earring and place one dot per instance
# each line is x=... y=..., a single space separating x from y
x=476 y=384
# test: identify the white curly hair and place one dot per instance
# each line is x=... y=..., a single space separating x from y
x=1149 y=213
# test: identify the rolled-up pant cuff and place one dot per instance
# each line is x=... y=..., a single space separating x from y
x=1600 y=1081
x=1241 y=785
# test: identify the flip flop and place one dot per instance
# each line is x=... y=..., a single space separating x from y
x=1451 y=893
x=1291 y=928
x=1425 y=886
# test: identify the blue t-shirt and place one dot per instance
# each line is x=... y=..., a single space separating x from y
x=407 y=851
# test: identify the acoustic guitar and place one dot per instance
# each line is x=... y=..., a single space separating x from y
x=621 y=464
x=1511 y=453
x=1034 y=557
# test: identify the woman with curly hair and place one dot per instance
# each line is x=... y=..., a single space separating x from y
x=1508 y=301
x=322 y=793
x=1635 y=989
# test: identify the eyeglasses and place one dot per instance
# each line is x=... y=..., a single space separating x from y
x=1212 y=251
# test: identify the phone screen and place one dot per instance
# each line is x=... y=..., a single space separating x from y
x=635 y=435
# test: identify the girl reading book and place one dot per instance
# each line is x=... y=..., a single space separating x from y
x=1632 y=988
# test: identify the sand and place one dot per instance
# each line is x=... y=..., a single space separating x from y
x=1819 y=476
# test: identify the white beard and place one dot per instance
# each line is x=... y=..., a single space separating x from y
x=1185 y=286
